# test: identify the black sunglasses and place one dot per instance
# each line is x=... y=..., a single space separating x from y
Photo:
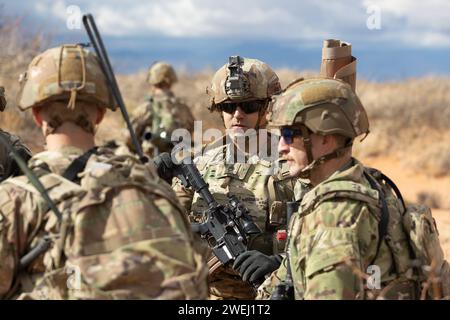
x=288 y=134
x=247 y=107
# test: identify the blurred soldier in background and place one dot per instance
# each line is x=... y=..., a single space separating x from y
x=162 y=113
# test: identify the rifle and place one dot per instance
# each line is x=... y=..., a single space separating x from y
x=45 y=243
x=226 y=227
x=285 y=289
x=97 y=43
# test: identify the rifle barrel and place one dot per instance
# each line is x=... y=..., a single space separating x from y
x=97 y=43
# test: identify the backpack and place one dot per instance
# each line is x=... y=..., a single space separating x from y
x=428 y=262
x=116 y=239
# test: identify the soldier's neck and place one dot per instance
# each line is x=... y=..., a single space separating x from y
x=328 y=168
x=69 y=134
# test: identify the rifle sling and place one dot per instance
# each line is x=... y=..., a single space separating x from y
x=384 y=219
x=78 y=165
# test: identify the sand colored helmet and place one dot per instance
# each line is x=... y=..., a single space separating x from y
x=243 y=79
x=322 y=106
x=161 y=72
x=65 y=73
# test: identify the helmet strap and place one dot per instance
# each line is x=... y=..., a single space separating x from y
x=78 y=116
x=339 y=152
x=307 y=143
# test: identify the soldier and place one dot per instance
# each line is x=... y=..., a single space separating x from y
x=241 y=91
x=121 y=234
x=162 y=113
x=8 y=167
x=350 y=221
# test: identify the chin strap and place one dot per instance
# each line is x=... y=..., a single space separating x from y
x=312 y=164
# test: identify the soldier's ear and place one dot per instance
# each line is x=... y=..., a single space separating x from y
x=37 y=116
x=100 y=115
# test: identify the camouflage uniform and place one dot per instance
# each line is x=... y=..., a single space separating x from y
x=122 y=234
x=255 y=181
x=8 y=167
x=334 y=237
x=161 y=113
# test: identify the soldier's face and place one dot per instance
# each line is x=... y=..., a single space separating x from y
x=238 y=121
x=294 y=151
x=295 y=154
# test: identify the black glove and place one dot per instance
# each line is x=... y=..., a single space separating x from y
x=164 y=167
x=253 y=265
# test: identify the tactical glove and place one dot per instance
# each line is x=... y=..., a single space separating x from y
x=163 y=166
x=253 y=265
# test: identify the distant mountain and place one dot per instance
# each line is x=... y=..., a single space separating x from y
x=378 y=64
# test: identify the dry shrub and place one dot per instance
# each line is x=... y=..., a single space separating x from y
x=429 y=199
x=433 y=159
x=16 y=52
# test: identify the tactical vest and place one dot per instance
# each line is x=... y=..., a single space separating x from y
x=109 y=244
x=168 y=113
x=259 y=191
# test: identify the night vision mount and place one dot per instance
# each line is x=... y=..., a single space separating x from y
x=237 y=85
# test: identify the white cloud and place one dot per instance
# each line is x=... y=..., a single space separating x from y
x=404 y=22
x=419 y=23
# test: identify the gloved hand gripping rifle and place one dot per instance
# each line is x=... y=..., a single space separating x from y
x=226 y=228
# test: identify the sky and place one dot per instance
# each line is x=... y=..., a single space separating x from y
x=392 y=39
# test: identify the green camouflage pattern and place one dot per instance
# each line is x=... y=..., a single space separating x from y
x=263 y=82
x=126 y=238
x=161 y=114
x=161 y=72
x=259 y=190
x=333 y=239
x=325 y=106
x=8 y=167
x=40 y=83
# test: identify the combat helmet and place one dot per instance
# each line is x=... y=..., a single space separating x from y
x=65 y=73
x=243 y=79
x=161 y=72
x=322 y=106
